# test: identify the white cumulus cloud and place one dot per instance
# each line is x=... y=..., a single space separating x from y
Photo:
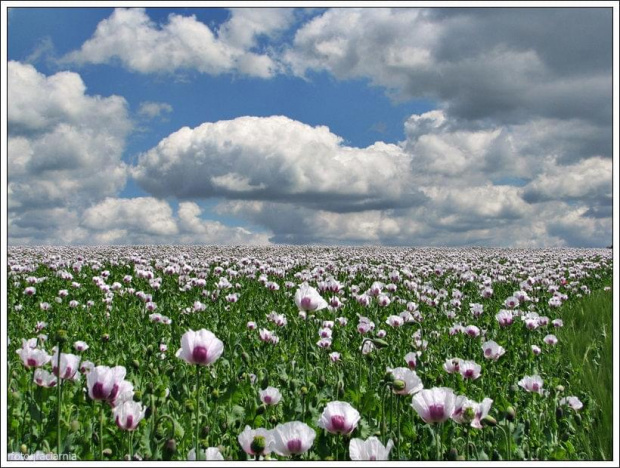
x=184 y=43
x=275 y=158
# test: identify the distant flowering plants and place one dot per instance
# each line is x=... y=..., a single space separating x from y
x=297 y=352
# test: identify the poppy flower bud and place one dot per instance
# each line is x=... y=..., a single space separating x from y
x=23 y=449
x=388 y=377
x=514 y=388
x=245 y=356
x=489 y=421
x=135 y=363
x=461 y=458
x=171 y=446
x=379 y=343
x=215 y=393
x=75 y=425
x=258 y=444
x=61 y=336
x=304 y=390
x=559 y=388
x=107 y=452
x=205 y=431
x=137 y=395
x=398 y=385
x=559 y=412
x=510 y=413
x=149 y=387
x=453 y=454
x=273 y=419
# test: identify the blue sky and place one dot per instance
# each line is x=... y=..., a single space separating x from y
x=330 y=126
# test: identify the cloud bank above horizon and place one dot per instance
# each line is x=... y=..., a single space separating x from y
x=517 y=150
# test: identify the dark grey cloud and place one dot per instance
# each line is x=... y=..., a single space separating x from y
x=504 y=64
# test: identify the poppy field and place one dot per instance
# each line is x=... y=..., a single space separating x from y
x=297 y=353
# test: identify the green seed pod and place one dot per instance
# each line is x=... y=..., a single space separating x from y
x=189 y=405
x=137 y=396
x=258 y=445
x=61 y=336
x=468 y=415
x=453 y=454
x=215 y=393
x=399 y=385
x=24 y=449
x=304 y=390
x=75 y=425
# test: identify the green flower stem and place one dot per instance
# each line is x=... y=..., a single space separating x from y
x=101 y=430
x=398 y=424
x=197 y=412
x=438 y=439
x=131 y=445
x=59 y=380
